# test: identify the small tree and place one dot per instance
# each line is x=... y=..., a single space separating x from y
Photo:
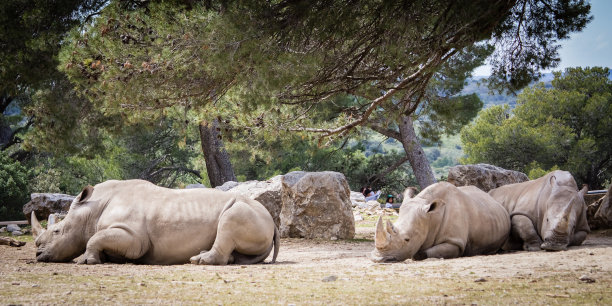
x=14 y=192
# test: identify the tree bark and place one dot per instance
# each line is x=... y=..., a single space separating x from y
x=5 y=130
x=414 y=151
x=218 y=164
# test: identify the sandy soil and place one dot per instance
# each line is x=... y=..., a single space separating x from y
x=318 y=271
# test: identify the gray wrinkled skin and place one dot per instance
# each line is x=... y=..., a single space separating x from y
x=547 y=213
x=443 y=221
x=136 y=221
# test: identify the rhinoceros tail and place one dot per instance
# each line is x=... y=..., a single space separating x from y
x=276 y=244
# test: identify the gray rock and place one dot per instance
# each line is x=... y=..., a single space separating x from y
x=3 y=229
x=16 y=233
x=12 y=227
x=316 y=205
x=586 y=279
x=357 y=199
x=373 y=205
x=227 y=186
x=484 y=176
x=331 y=278
x=268 y=193
x=191 y=186
x=45 y=204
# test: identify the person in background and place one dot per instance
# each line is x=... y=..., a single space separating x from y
x=389 y=203
x=371 y=195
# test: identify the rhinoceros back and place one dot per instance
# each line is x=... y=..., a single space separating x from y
x=165 y=220
x=489 y=223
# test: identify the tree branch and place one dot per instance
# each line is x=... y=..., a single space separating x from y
x=178 y=168
x=380 y=175
x=385 y=131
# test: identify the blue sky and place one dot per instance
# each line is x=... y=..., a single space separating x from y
x=591 y=47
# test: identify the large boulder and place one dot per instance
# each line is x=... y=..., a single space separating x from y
x=268 y=193
x=192 y=186
x=228 y=185
x=45 y=204
x=316 y=205
x=484 y=176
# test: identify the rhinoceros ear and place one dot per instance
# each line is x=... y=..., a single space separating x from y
x=86 y=194
x=584 y=190
x=434 y=206
x=552 y=180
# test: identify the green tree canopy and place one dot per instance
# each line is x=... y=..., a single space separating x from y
x=270 y=63
x=567 y=126
x=14 y=192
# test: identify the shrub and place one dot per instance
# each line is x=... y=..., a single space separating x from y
x=14 y=192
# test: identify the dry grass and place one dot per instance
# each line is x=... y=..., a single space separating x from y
x=319 y=272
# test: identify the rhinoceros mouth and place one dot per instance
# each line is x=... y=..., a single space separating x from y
x=553 y=247
x=555 y=242
x=40 y=257
x=378 y=258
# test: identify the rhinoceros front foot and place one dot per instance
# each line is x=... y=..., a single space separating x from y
x=90 y=259
x=420 y=255
x=209 y=258
x=531 y=247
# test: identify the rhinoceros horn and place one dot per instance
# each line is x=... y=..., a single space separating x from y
x=382 y=238
x=37 y=229
x=562 y=226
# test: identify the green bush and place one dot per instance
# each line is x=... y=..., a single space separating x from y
x=14 y=191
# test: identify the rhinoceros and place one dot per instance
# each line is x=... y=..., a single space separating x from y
x=136 y=221
x=604 y=212
x=547 y=213
x=443 y=221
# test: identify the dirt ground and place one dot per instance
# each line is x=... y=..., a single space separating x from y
x=322 y=272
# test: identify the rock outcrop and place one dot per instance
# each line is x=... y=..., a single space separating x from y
x=45 y=204
x=358 y=199
x=316 y=205
x=192 y=186
x=599 y=212
x=484 y=176
x=268 y=193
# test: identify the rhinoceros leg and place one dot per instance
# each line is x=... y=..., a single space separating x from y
x=524 y=229
x=443 y=250
x=241 y=230
x=115 y=241
x=578 y=238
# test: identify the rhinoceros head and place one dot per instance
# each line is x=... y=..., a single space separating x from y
x=404 y=239
x=562 y=210
x=63 y=241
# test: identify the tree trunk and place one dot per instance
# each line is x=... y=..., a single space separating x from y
x=5 y=130
x=414 y=151
x=218 y=164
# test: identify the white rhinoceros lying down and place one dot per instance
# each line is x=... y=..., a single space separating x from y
x=443 y=221
x=136 y=221
x=547 y=213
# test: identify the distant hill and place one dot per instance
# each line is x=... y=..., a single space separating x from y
x=492 y=98
x=474 y=85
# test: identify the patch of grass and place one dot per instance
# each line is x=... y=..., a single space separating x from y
x=266 y=284
x=370 y=220
x=26 y=238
